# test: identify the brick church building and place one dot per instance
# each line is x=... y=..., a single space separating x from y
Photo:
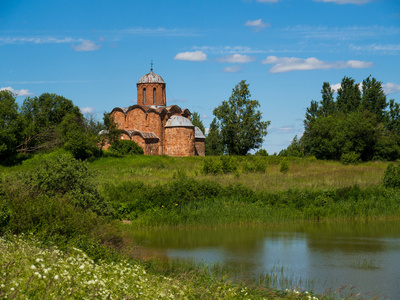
x=157 y=128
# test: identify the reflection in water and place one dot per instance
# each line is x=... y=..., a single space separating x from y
x=363 y=254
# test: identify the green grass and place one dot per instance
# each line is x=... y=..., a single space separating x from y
x=160 y=191
x=29 y=270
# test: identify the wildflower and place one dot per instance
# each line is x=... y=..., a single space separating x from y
x=56 y=277
x=33 y=267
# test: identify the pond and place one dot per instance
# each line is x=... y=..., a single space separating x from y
x=312 y=256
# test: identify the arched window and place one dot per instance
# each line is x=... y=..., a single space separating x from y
x=154 y=96
x=144 y=96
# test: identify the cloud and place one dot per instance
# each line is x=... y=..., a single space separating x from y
x=341 y=33
x=37 y=40
x=346 y=1
x=384 y=49
x=87 y=110
x=336 y=87
x=236 y=58
x=160 y=31
x=232 y=69
x=256 y=25
x=229 y=49
x=19 y=93
x=191 y=56
x=86 y=45
x=390 y=88
x=288 y=64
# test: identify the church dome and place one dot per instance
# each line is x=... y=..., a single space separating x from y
x=178 y=121
x=151 y=78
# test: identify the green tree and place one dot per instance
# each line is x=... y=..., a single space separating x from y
x=328 y=105
x=214 y=144
x=10 y=124
x=349 y=95
x=241 y=125
x=196 y=121
x=112 y=132
x=374 y=98
x=83 y=144
x=41 y=116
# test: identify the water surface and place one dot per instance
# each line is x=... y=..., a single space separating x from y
x=320 y=256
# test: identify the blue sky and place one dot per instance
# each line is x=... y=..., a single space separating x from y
x=94 y=52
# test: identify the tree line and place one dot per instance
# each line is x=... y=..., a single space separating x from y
x=45 y=122
x=359 y=125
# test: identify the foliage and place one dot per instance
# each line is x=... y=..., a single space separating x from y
x=355 y=125
x=284 y=166
x=391 y=178
x=126 y=147
x=61 y=176
x=350 y=158
x=213 y=142
x=82 y=144
x=10 y=124
x=239 y=121
x=112 y=132
x=41 y=116
x=196 y=121
x=294 y=149
x=261 y=152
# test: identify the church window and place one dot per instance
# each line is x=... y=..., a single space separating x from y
x=144 y=96
x=154 y=96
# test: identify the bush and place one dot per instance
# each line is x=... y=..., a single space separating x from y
x=60 y=176
x=211 y=165
x=350 y=158
x=391 y=178
x=284 y=166
x=126 y=147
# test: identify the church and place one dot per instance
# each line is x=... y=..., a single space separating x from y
x=157 y=128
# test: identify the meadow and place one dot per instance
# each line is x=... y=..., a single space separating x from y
x=55 y=210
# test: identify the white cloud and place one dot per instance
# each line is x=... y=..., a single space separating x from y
x=191 y=56
x=19 y=93
x=286 y=129
x=346 y=1
x=160 y=31
x=229 y=49
x=232 y=69
x=385 y=49
x=86 y=45
x=256 y=25
x=335 y=87
x=236 y=58
x=36 y=40
x=87 y=110
x=390 y=88
x=288 y=64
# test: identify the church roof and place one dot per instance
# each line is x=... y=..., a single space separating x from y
x=178 y=121
x=198 y=134
x=151 y=78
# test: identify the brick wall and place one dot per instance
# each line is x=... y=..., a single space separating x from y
x=160 y=94
x=179 y=141
x=200 y=146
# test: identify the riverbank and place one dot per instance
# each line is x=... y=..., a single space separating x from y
x=71 y=204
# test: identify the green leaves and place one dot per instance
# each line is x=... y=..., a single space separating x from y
x=240 y=123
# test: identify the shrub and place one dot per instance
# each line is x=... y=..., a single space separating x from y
x=255 y=164
x=350 y=158
x=211 y=165
x=126 y=147
x=391 y=178
x=59 y=176
x=284 y=166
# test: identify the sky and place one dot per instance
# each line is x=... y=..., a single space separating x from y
x=93 y=52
